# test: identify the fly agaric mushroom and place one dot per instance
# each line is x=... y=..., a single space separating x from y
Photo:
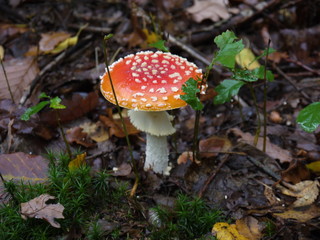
x=149 y=83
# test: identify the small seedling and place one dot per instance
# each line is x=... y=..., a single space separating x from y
x=55 y=104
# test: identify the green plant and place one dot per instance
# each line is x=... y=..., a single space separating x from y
x=189 y=219
x=309 y=117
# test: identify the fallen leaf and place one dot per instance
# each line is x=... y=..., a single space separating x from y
x=306 y=192
x=123 y=170
x=212 y=146
x=301 y=215
x=314 y=166
x=1 y=53
x=225 y=231
x=20 y=73
x=23 y=166
x=185 y=157
x=249 y=227
x=75 y=163
x=37 y=208
x=276 y=57
x=76 y=135
x=246 y=59
x=295 y=173
x=96 y=131
x=8 y=31
x=49 y=41
x=210 y=9
x=272 y=150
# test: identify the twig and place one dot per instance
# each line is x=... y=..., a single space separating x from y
x=264 y=168
x=291 y=81
x=6 y=77
x=212 y=176
x=303 y=66
x=265 y=90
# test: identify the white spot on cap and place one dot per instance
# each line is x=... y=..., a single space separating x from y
x=138 y=94
x=124 y=103
x=154 y=71
x=165 y=62
x=148 y=105
x=144 y=64
x=155 y=81
x=164 y=81
x=137 y=80
x=154 y=61
x=128 y=62
x=154 y=55
x=173 y=75
x=176 y=81
x=163 y=72
x=198 y=70
x=165 y=98
x=143 y=87
x=176 y=96
x=161 y=90
x=133 y=100
x=167 y=56
x=182 y=67
x=144 y=79
x=135 y=74
x=144 y=99
x=154 y=99
x=173 y=67
x=161 y=104
x=145 y=69
x=187 y=72
x=133 y=68
x=175 y=89
x=146 y=57
x=151 y=90
x=138 y=60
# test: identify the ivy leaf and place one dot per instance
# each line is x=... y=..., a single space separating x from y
x=309 y=117
x=227 y=89
x=159 y=45
x=55 y=103
x=229 y=48
x=33 y=110
x=190 y=88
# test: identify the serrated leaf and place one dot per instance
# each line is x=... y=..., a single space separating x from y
x=227 y=89
x=229 y=48
x=244 y=75
x=33 y=110
x=159 y=45
x=55 y=103
x=259 y=73
x=309 y=117
x=190 y=88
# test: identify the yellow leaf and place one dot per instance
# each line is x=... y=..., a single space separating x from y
x=246 y=59
x=152 y=37
x=77 y=162
x=225 y=231
x=67 y=42
x=1 y=52
x=314 y=166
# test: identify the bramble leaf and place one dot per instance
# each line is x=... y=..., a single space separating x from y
x=159 y=45
x=190 y=88
x=309 y=117
x=55 y=103
x=229 y=48
x=227 y=89
x=33 y=110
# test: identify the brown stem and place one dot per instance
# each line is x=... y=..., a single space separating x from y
x=7 y=81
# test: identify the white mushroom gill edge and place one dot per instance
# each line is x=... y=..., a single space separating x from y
x=157 y=126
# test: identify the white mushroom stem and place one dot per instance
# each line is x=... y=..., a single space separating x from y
x=157 y=126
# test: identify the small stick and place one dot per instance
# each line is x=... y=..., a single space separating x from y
x=264 y=168
x=6 y=77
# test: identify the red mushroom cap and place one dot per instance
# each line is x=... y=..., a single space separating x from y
x=149 y=81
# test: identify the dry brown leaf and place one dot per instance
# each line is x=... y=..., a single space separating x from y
x=20 y=73
x=123 y=170
x=210 y=9
x=22 y=166
x=301 y=215
x=1 y=53
x=37 y=208
x=249 y=227
x=185 y=157
x=306 y=192
x=96 y=131
x=76 y=135
x=49 y=41
x=211 y=147
x=272 y=150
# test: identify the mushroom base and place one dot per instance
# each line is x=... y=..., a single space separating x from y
x=156 y=154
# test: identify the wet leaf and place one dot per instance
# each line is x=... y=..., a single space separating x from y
x=301 y=215
x=309 y=117
x=76 y=135
x=37 y=208
x=78 y=161
x=246 y=59
x=306 y=192
x=160 y=45
x=33 y=110
x=20 y=73
x=212 y=146
x=225 y=231
x=22 y=166
x=209 y=9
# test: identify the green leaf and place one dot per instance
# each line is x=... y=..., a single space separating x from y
x=55 y=103
x=43 y=95
x=229 y=48
x=227 y=89
x=159 y=45
x=309 y=117
x=190 y=88
x=259 y=73
x=244 y=75
x=33 y=110
x=267 y=51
